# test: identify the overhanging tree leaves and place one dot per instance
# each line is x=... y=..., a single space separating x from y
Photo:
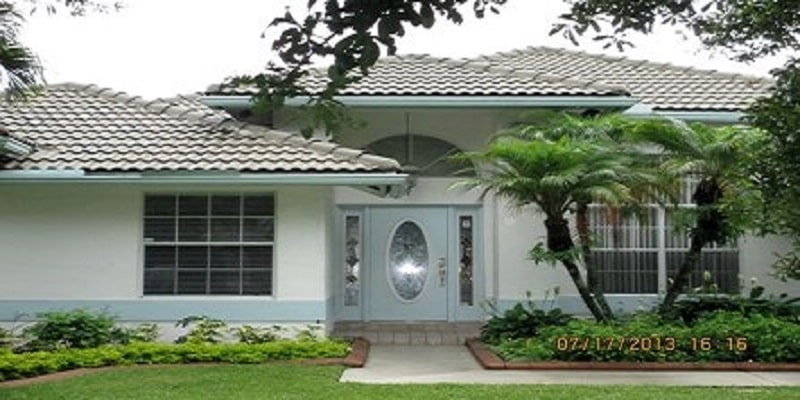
x=353 y=32
x=776 y=163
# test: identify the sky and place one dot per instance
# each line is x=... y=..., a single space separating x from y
x=161 y=48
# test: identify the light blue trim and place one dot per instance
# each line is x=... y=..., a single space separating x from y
x=573 y=304
x=221 y=178
x=721 y=117
x=171 y=310
x=442 y=101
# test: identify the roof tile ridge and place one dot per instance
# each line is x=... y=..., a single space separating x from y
x=659 y=65
x=568 y=81
x=159 y=106
x=728 y=75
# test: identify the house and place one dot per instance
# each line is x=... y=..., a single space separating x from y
x=156 y=210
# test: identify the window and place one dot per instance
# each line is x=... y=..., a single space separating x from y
x=636 y=255
x=352 y=261
x=431 y=156
x=466 y=260
x=208 y=244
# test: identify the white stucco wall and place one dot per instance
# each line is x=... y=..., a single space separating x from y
x=70 y=242
x=81 y=244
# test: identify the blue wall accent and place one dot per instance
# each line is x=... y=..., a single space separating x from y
x=573 y=304
x=171 y=310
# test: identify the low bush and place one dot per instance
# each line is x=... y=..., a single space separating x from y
x=254 y=335
x=78 y=329
x=693 y=308
x=524 y=320
x=718 y=336
x=15 y=366
x=202 y=329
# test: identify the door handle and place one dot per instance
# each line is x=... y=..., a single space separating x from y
x=442 y=266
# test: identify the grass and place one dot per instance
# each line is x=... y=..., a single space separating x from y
x=291 y=381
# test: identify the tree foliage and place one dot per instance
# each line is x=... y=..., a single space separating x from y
x=748 y=29
x=776 y=164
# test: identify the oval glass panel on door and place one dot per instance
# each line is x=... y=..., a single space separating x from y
x=408 y=261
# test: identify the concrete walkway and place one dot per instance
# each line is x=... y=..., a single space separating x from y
x=454 y=364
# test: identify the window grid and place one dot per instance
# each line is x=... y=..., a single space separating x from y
x=209 y=244
x=636 y=255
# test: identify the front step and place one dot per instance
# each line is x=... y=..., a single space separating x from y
x=405 y=333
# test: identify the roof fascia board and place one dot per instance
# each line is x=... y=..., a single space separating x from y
x=443 y=101
x=216 y=179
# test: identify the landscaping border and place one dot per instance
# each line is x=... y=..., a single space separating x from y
x=489 y=360
x=356 y=359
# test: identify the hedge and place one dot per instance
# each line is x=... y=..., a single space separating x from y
x=23 y=365
x=721 y=336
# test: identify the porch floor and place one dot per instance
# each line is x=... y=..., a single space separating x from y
x=409 y=333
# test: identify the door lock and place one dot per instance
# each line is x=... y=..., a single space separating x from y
x=442 y=266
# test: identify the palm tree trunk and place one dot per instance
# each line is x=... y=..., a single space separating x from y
x=708 y=229
x=582 y=225
x=560 y=241
x=685 y=270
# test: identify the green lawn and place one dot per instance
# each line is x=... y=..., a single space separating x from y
x=287 y=381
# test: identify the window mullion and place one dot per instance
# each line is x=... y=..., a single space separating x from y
x=241 y=247
x=661 y=236
x=208 y=239
x=175 y=247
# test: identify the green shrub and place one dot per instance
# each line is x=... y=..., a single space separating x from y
x=693 y=308
x=718 y=336
x=69 y=329
x=252 y=335
x=139 y=333
x=203 y=329
x=14 y=366
x=520 y=322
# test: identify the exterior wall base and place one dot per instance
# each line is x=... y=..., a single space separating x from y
x=172 y=310
x=572 y=304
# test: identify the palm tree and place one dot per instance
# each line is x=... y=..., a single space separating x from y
x=20 y=69
x=557 y=172
x=716 y=157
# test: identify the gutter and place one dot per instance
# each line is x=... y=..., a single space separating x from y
x=379 y=184
x=240 y=101
x=234 y=178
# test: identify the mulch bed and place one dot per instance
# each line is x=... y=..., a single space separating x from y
x=489 y=360
x=356 y=359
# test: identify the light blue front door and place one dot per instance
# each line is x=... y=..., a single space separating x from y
x=409 y=263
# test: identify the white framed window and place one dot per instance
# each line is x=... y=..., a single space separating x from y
x=210 y=244
x=637 y=255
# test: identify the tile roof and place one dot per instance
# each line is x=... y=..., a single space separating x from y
x=660 y=86
x=422 y=75
x=97 y=129
x=545 y=71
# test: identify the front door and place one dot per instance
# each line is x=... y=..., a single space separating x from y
x=409 y=256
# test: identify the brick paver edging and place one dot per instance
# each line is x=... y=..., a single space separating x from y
x=356 y=359
x=489 y=360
